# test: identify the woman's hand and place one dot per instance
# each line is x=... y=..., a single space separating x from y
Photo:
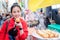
x=18 y=24
x=20 y=27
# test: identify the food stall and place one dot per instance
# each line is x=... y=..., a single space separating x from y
x=47 y=34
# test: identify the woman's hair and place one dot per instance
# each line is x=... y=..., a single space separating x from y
x=15 y=5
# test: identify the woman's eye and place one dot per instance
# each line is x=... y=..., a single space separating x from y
x=18 y=11
x=14 y=11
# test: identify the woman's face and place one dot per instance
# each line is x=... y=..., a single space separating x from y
x=16 y=12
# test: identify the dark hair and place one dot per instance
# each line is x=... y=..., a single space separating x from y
x=7 y=15
x=14 y=5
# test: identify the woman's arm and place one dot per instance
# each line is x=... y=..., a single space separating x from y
x=24 y=31
x=3 y=31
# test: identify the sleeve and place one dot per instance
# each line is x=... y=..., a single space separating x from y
x=2 y=32
x=25 y=29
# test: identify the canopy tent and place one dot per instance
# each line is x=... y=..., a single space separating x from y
x=33 y=5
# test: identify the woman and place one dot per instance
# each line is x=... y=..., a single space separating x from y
x=12 y=30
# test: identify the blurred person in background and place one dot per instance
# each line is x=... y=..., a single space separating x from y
x=8 y=16
x=47 y=21
x=3 y=16
x=41 y=19
x=15 y=28
x=0 y=20
x=57 y=17
x=27 y=15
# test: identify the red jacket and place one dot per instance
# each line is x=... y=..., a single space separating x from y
x=11 y=25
